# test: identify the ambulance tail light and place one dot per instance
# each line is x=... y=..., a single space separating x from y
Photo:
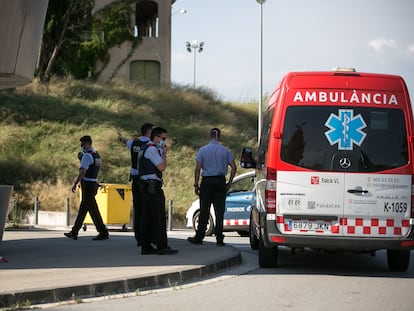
x=407 y=243
x=270 y=192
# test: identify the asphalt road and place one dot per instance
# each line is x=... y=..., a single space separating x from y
x=305 y=280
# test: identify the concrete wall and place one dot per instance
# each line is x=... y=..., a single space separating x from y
x=5 y=207
x=150 y=48
x=21 y=26
x=49 y=218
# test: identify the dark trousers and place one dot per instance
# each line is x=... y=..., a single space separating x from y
x=213 y=190
x=153 y=224
x=137 y=203
x=88 y=204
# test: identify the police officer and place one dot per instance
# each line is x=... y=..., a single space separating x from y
x=153 y=225
x=134 y=146
x=213 y=159
x=90 y=163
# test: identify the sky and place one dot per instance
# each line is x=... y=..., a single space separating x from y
x=298 y=35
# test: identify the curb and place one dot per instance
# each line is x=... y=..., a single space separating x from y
x=119 y=286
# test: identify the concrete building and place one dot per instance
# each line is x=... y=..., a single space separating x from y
x=21 y=25
x=150 y=60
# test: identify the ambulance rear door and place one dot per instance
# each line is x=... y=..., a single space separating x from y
x=345 y=171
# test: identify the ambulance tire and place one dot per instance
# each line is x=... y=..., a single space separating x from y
x=398 y=259
x=254 y=241
x=267 y=256
x=210 y=223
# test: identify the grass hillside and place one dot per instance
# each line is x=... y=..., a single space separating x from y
x=41 y=126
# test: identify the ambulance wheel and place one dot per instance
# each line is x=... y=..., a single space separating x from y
x=84 y=227
x=254 y=241
x=398 y=259
x=267 y=256
x=210 y=223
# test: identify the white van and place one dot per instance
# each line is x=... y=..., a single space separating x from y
x=334 y=167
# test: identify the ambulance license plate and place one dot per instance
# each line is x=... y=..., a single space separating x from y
x=309 y=225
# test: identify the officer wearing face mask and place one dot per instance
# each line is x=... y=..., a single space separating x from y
x=151 y=165
x=90 y=163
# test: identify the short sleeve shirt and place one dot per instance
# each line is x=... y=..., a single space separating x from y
x=214 y=159
x=154 y=156
x=86 y=161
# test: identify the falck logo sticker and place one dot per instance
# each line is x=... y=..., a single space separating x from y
x=314 y=180
x=345 y=129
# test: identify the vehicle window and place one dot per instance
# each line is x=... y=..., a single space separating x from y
x=264 y=139
x=244 y=184
x=318 y=137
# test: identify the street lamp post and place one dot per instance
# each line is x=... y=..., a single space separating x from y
x=259 y=122
x=194 y=46
x=180 y=11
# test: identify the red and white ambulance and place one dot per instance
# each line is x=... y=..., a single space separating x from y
x=335 y=167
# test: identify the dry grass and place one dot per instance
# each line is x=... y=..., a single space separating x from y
x=41 y=125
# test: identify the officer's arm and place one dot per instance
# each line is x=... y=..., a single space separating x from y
x=82 y=172
x=232 y=172
x=197 y=171
x=163 y=165
x=122 y=139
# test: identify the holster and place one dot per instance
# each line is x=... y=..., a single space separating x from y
x=151 y=186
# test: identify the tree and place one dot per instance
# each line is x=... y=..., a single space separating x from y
x=64 y=51
x=65 y=20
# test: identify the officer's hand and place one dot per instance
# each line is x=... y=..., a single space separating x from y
x=80 y=155
x=74 y=188
x=197 y=190
x=228 y=186
x=119 y=136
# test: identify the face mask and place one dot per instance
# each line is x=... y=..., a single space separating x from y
x=161 y=143
x=82 y=149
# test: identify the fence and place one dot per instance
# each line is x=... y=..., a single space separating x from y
x=53 y=218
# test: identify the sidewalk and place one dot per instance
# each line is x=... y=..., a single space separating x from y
x=44 y=266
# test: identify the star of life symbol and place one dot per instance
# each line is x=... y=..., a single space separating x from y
x=345 y=129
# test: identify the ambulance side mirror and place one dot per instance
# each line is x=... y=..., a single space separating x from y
x=246 y=158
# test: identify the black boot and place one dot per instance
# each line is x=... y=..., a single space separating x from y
x=195 y=240
x=220 y=241
x=71 y=235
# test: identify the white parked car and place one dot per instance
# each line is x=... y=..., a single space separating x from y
x=237 y=210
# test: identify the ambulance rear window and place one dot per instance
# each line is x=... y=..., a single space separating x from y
x=352 y=139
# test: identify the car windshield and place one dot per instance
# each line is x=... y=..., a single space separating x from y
x=357 y=139
x=243 y=184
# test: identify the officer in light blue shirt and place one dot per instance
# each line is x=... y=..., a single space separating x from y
x=212 y=161
x=90 y=163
